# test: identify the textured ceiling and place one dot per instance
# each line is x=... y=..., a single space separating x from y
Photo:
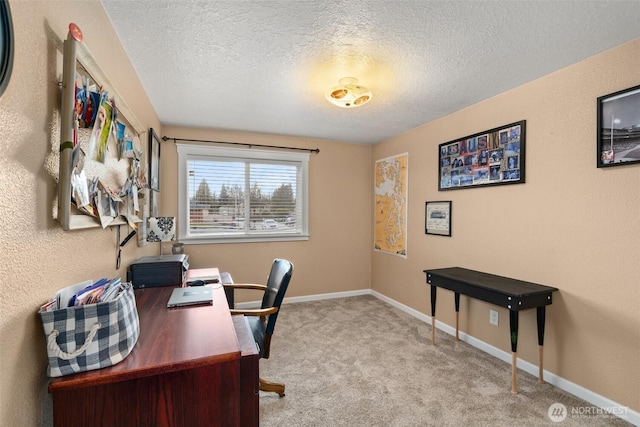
x=263 y=66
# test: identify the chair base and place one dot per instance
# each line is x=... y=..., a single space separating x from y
x=272 y=387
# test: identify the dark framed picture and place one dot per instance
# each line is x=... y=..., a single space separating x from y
x=619 y=128
x=492 y=157
x=154 y=161
x=437 y=218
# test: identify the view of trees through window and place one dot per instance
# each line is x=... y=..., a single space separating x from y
x=219 y=199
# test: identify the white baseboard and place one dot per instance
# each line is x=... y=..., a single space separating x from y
x=580 y=392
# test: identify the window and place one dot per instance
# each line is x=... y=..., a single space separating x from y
x=246 y=195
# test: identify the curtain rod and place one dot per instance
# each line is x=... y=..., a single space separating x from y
x=311 y=150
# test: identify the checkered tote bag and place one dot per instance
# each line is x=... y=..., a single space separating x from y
x=92 y=336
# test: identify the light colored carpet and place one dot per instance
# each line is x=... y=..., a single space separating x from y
x=360 y=362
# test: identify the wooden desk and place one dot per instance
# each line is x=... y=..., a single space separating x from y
x=185 y=370
x=249 y=367
x=513 y=294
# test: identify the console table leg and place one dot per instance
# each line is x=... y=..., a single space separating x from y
x=457 y=302
x=514 y=362
x=513 y=326
x=433 y=314
x=541 y=320
x=540 y=369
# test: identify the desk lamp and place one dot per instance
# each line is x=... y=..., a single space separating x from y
x=161 y=229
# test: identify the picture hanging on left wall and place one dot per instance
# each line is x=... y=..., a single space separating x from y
x=154 y=160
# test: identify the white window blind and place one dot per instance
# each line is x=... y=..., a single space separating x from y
x=230 y=194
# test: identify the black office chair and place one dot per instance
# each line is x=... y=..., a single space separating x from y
x=263 y=320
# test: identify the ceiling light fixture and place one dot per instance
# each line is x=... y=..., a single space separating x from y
x=348 y=93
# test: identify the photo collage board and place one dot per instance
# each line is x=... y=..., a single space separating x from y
x=492 y=157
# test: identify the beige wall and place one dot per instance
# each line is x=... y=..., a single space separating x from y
x=571 y=226
x=38 y=258
x=335 y=258
x=555 y=229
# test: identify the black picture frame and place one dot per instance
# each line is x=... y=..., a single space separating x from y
x=6 y=45
x=154 y=161
x=618 y=128
x=437 y=218
x=493 y=157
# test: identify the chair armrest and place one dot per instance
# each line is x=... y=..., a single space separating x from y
x=255 y=311
x=245 y=286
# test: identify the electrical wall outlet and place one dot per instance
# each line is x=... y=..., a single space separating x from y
x=493 y=317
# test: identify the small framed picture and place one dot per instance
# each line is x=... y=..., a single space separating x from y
x=154 y=161
x=618 y=128
x=437 y=218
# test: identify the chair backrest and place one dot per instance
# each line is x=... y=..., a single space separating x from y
x=277 y=283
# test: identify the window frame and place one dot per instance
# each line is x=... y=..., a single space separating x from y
x=188 y=152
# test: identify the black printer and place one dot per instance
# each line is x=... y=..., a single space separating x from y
x=160 y=270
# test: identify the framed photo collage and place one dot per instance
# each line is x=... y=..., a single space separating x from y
x=493 y=157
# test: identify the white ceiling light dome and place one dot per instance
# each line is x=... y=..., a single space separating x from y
x=348 y=93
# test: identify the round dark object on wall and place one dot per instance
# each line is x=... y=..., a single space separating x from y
x=6 y=45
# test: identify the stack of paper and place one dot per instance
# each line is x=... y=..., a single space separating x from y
x=87 y=292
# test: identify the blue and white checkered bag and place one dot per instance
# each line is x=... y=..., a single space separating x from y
x=92 y=336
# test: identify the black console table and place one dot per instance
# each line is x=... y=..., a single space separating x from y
x=513 y=294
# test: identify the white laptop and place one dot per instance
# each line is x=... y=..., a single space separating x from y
x=191 y=296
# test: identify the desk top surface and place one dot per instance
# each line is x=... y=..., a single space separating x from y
x=489 y=282
x=171 y=339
